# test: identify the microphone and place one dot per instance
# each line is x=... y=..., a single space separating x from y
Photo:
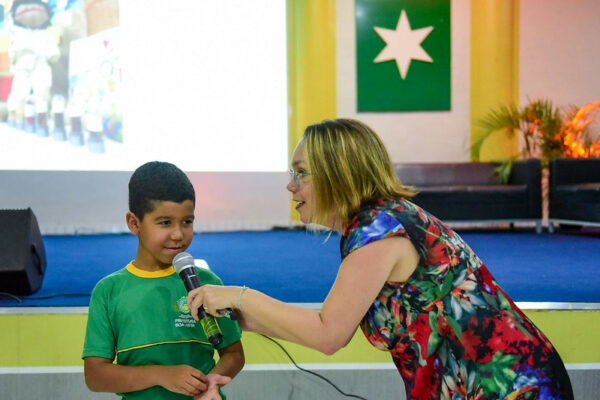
x=185 y=268
x=185 y=262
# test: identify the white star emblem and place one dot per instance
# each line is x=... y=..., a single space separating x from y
x=403 y=44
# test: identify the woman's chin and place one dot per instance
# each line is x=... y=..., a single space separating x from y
x=303 y=217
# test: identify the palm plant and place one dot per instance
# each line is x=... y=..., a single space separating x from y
x=547 y=133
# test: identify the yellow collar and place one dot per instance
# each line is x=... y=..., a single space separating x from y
x=149 y=274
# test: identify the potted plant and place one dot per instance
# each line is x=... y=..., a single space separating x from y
x=546 y=133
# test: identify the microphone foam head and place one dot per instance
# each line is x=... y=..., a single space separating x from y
x=182 y=260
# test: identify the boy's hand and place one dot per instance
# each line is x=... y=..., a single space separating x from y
x=183 y=379
x=215 y=381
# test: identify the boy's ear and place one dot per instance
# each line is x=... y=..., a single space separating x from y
x=133 y=223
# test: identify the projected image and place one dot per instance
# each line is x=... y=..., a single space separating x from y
x=94 y=90
x=62 y=77
x=108 y=85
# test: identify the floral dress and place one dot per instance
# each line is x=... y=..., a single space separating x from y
x=451 y=330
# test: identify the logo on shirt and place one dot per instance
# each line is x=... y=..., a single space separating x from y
x=184 y=319
x=181 y=306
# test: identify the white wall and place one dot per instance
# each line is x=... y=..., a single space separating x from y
x=96 y=202
x=560 y=51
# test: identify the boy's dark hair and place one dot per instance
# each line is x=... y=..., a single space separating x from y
x=158 y=181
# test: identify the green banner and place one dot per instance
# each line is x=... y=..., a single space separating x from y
x=403 y=55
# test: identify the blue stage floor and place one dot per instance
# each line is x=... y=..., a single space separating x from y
x=298 y=266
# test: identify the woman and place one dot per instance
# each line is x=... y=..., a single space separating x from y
x=412 y=284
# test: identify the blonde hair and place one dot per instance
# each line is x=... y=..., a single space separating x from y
x=349 y=167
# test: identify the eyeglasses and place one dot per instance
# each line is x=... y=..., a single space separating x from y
x=298 y=176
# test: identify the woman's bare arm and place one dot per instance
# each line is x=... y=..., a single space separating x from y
x=361 y=276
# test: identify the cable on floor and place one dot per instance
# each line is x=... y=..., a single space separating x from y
x=312 y=372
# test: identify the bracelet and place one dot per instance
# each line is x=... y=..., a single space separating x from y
x=239 y=302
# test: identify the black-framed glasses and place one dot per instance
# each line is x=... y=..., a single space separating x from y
x=298 y=176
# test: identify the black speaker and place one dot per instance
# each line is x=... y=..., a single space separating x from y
x=22 y=254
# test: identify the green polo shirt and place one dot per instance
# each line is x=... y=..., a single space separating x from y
x=142 y=318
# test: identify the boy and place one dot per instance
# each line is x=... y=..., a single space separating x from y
x=139 y=314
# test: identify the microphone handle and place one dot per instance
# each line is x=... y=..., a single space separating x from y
x=210 y=327
x=193 y=282
x=209 y=324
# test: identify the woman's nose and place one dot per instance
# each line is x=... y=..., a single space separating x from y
x=291 y=186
